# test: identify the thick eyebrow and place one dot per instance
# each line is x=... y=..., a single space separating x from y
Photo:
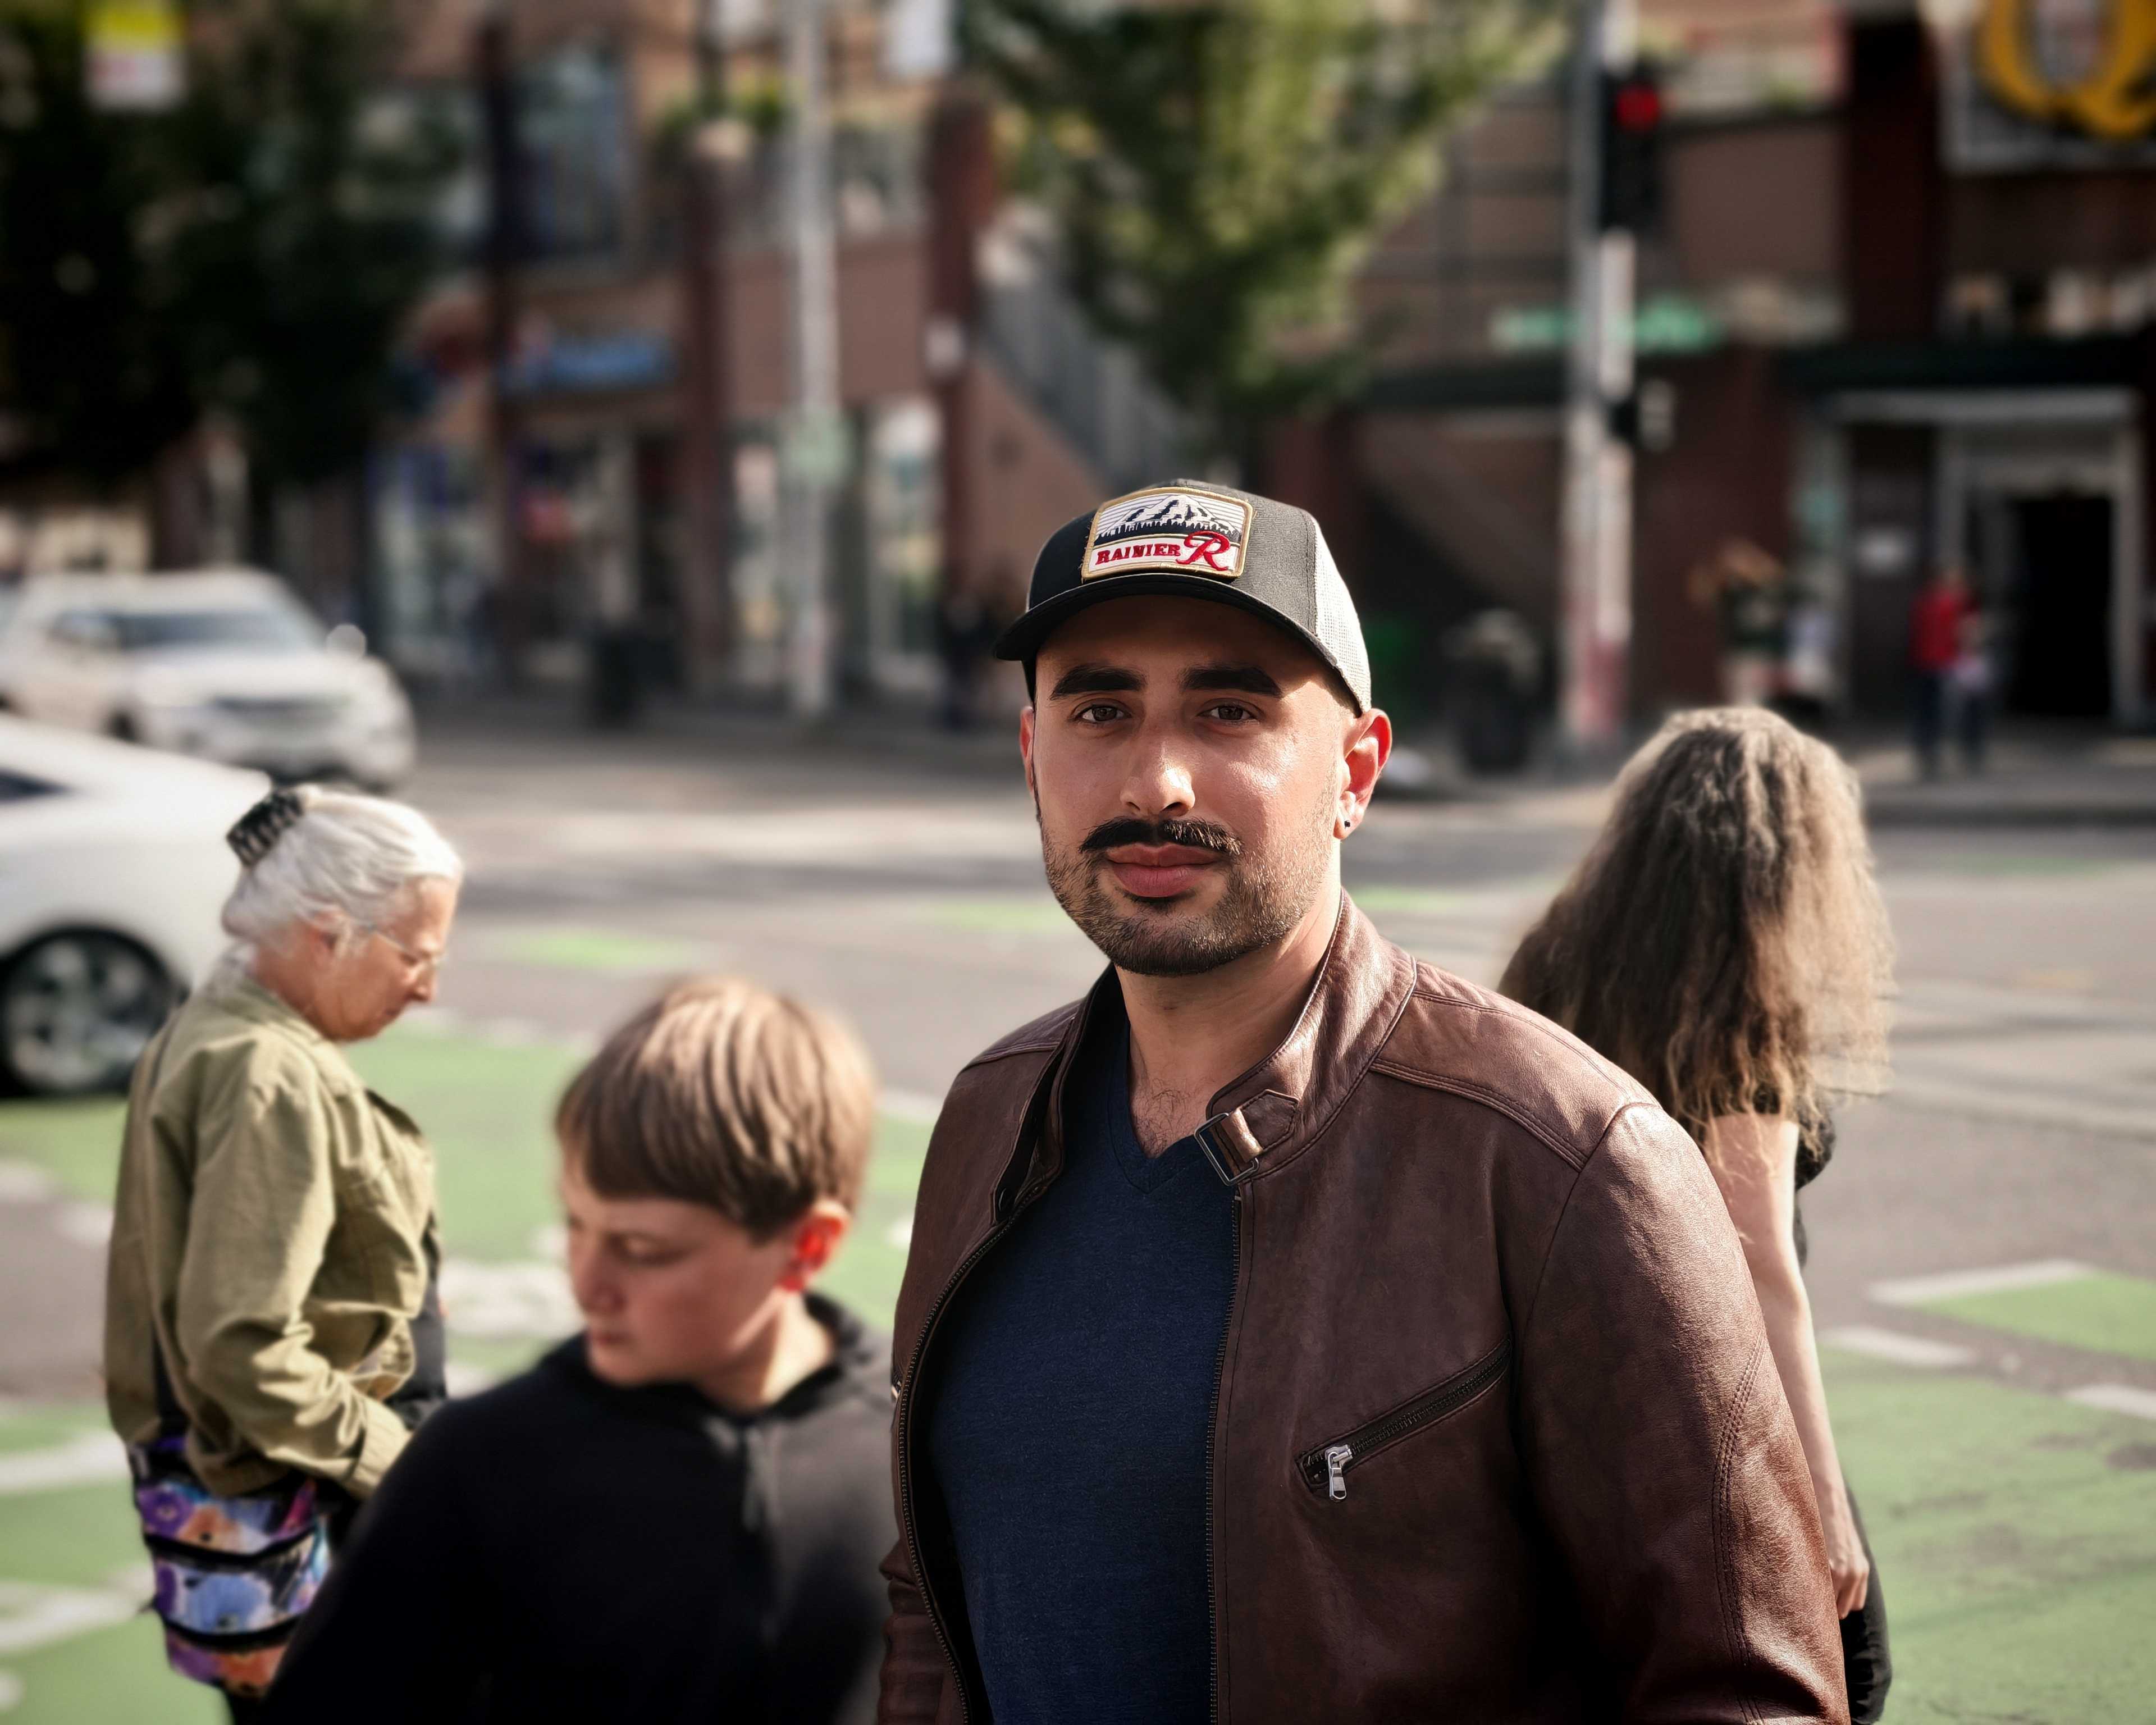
x=1242 y=679
x=1096 y=680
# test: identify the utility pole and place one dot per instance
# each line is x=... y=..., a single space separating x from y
x=814 y=453
x=707 y=480
x=505 y=247
x=1596 y=628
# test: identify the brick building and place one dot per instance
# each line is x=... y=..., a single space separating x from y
x=1892 y=318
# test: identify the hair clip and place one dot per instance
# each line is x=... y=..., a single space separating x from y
x=255 y=834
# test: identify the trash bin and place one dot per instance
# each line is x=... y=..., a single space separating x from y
x=1496 y=677
x=614 y=657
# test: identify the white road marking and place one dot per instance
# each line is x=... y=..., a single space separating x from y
x=913 y=1105
x=521 y=1302
x=24 y=1182
x=2117 y=1398
x=32 y=1614
x=91 y=1459
x=1903 y=1350
x=10 y=1691
x=89 y=1224
x=1955 y=1284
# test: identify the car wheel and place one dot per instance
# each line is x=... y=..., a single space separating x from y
x=75 y=1010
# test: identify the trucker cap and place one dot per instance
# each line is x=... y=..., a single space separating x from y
x=1203 y=541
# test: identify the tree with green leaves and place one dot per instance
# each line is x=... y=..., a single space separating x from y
x=251 y=251
x=1219 y=168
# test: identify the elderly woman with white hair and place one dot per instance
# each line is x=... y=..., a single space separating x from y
x=272 y=1332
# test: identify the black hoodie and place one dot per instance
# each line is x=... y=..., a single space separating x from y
x=559 y=1548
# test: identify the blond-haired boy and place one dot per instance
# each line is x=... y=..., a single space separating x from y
x=678 y=1513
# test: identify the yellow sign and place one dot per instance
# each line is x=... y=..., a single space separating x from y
x=2116 y=100
x=135 y=54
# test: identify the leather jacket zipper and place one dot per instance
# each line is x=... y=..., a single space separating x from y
x=1325 y=1467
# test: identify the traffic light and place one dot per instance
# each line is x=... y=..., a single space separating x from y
x=1632 y=115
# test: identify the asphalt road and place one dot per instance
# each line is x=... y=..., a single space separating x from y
x=1984 y=1258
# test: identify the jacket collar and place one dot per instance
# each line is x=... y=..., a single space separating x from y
x=1268 y=1116
x=236 y=992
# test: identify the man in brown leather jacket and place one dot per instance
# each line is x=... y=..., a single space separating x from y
x=1292 y=1331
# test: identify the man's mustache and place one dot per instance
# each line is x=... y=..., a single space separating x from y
x=1198 y=834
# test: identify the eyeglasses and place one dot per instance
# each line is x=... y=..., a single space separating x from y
x=426 y=964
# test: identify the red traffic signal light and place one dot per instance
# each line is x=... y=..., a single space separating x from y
x=1631 y=150
x=1636 y=106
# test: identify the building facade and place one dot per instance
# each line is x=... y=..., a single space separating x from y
x=625 y=471
x=1900 y=312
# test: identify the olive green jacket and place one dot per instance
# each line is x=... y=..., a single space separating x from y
x=275 y=1230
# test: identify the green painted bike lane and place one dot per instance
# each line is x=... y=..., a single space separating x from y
x=2016 y=1532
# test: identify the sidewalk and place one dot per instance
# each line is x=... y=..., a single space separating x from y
x=2034 y=781
x=2035 y=777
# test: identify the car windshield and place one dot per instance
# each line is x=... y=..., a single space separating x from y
x=253 y=629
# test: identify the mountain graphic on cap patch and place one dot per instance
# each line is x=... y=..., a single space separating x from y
x=1152 y=511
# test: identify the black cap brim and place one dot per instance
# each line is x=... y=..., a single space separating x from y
x=1023 y=638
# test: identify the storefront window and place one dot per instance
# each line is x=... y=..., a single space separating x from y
x=573 y=137
x=905 y=544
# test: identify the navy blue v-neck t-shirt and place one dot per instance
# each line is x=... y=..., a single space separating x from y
x=1071 y=1419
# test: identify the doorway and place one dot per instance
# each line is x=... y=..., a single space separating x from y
x=2060 y=607
x=2042 y=568
x=2040 y=499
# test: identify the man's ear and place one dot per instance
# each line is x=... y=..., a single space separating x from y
x=1025 y=747
x=1368 y=745
x=816 y=1237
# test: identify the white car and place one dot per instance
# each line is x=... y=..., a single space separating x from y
x=226 y=664
x=113 y=870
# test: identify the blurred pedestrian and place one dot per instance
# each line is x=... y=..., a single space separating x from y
x=1937 y=617
x=969 y=619
x=272 y=1329
x=1971 y=682
x=676 y=1515
x=1748 y=590
x=1724 y=942
x=1293 y=1331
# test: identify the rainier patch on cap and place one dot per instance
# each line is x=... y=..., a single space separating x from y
x=1168 y=527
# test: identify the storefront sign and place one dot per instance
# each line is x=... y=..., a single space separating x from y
x=2050 y=84
x=569 y=365
x=1668 y=323
x=2113 y=97
x=134 y=55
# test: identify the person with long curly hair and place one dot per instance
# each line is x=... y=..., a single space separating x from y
x=1724 y=942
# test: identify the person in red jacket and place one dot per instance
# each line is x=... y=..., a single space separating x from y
x=1936 y=618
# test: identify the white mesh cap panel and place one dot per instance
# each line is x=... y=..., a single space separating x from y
x=1338 y=626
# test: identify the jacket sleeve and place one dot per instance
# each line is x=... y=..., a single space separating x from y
x=1660 y=1449
x=265 y=1202
x=914 y=1668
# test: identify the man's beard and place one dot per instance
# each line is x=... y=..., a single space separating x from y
x=1264 y=900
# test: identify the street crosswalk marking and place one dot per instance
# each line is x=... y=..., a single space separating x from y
x=24 y=1182
x=89 y=1459
x=2117 y=1398
x=1958 y=1284
x=35 y=1615
x=1903 y=1350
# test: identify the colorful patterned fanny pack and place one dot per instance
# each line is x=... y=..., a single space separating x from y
x=233 y=1574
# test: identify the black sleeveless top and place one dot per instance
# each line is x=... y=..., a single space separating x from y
x=1815 y=1150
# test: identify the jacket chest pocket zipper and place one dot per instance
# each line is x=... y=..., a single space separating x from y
x=1324 y=1469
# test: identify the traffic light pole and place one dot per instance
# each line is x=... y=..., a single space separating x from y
x=812 y=451
x=1595 y=628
